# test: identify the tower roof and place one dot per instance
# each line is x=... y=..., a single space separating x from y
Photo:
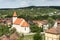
x=14 y=14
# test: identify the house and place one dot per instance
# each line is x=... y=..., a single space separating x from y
x=5 y=21
x=20 y=24
x=41 y=23
x=4 y=37
x=8 y=21
x=15 y=35
x=54 y=32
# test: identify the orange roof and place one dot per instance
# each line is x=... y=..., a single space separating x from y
x=25 y=24
x=14 y=14
x=18 y=21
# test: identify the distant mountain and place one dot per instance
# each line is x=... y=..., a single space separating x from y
x=56 y=7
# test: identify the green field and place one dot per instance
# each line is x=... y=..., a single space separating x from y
x=28 y=37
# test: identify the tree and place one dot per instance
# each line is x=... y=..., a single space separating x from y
x=51 y=22
x=37 y=36
x=4 y=30
x=34 y=28
x=41 y=29
x=21 y=37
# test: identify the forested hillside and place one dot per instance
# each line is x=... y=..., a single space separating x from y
x=30 y=12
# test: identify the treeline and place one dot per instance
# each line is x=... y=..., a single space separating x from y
x=46 y=17
x=40 y=17
x=31 y=13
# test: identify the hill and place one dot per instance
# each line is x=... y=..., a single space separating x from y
x=31 y=11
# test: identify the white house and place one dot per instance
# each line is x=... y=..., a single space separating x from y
x=20 y=24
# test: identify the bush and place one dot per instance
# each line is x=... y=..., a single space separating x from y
x=37 y=36
x=34 y=28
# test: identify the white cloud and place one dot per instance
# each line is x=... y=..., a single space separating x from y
x=14 y=4
x=24 y=3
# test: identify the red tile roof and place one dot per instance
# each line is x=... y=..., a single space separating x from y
x=20 y=21
x=25 y=24
x=54 y=30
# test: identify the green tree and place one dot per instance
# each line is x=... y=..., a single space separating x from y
x=37 y=36
x=34 y=28
x=21 y=37
x=50 y=22
x=4 y=30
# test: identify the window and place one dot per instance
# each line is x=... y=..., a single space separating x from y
x=25 y=28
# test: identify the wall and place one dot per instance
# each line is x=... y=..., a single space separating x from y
x=21 y=29
x=51 y=36
x=13 y=19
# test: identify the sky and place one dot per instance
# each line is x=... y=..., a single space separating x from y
x=26 y=3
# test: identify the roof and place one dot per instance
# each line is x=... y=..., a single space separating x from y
x=22 y=22
x=14 y=14
x=40 y=21
x=54 y=30
x=25 y=24
x=4 y=37
x=18 y=21
x=58 y=21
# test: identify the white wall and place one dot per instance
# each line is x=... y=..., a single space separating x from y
x=25 y=29
x=21 y=29
x=45 y=27
x=13 y=19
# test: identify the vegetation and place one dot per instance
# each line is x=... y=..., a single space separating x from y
x=35 y=28
x=21 y=37
x=28 y=37
x=5 y=30
x=31 y=13
x=37 y=36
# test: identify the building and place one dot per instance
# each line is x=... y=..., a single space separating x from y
x=4 y=37
x=54 y=32
x=41 y=23
x=20 y=24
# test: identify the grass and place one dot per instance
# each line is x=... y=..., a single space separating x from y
x=28 y=37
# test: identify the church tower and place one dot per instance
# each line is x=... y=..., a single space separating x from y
x=14 y=17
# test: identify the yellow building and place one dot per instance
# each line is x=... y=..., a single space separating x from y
x=53 y=34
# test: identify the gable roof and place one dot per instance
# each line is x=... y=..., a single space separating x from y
x=25 y=24
x=18 y=21
x=21 y=22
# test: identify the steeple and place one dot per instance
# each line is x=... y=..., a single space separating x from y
x=14 y=15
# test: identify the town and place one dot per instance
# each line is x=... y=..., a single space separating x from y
x=30 y=24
